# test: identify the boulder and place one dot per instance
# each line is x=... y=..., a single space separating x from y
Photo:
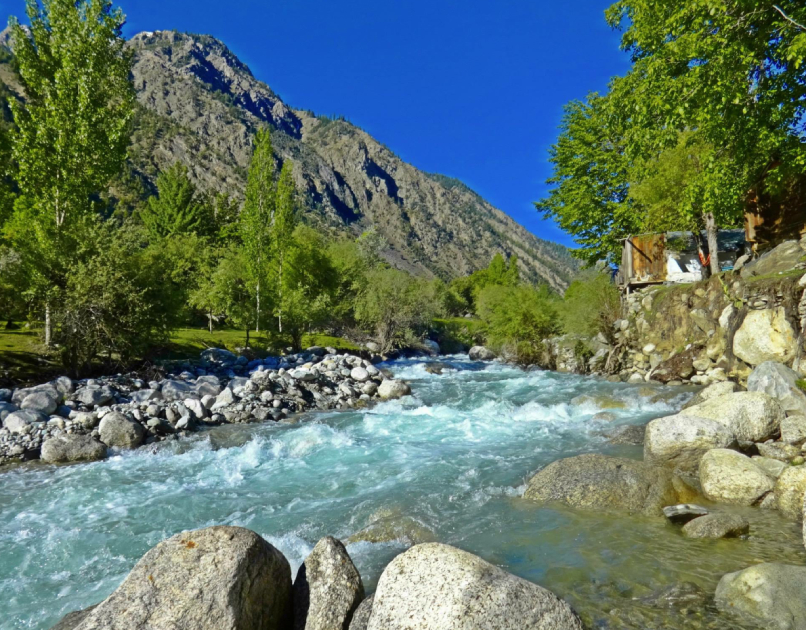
x=779 y=381
x=778 y=450
x=773 y=467
x=20 y=422
x=328 y=588
x=176 y=390
x=218 y=356
x=750 y=416
x=7 y=408
x=598 y=482
x=64 y=385
x=683 y=513
x=679 y=367
x=730 y=477
x=361 y=615
x=770 y=594
x=630 y=434
x=359 y=374
x=680 y=441
x=391 y=389
x=793 y=429
x=145 y=395
x=208 y=579
x=224 y=399
x=207 y=386
x=71 y=620
x=431 y=346
x=790 y=491
x=712 y=391
x=717 y=525
x=784 y=257
x=437 y=587
x=72 y=448
x=95 y=396
x=304 y=375
x=117 y=431
x=480 y=353
x=765 y=335
x=43 y=401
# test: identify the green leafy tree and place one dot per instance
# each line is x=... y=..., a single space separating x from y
x=283 y=233
x=257 y=220
x=518 y=319
x=589 y=194
x=71 y=132
x=176 y=208
x=591 y=305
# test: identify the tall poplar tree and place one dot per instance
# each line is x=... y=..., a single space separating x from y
x=71 y=131
x=257 y=218
x=283 y=232
x=176 y=208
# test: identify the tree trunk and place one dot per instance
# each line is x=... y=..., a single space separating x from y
x=247 y=335
x=210 y=321
x=706 y=270
x=280 y=307
x=48 y=326
x=257 y=308
x=713 y=244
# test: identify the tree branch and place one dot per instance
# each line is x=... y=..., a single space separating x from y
x=787 y=18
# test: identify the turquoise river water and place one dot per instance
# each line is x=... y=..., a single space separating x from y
x=454 y=456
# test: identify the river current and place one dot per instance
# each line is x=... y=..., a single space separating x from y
x=454 y=457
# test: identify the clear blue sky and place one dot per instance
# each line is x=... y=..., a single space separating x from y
x=469 y=88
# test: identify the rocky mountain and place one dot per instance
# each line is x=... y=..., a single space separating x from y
x=199 y=104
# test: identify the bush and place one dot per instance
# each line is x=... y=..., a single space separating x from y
x=395 y=307
x=518 y=319
x=591 y=306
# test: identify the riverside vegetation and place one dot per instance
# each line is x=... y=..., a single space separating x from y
x=110 y=245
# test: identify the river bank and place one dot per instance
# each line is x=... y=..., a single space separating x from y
x=448 y=463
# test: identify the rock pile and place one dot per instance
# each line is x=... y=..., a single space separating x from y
x=67 y=421
x=229 y=577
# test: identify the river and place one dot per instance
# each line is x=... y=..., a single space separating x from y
x=454 y=457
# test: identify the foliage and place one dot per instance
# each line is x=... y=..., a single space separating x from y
x=282 y=243
x=114 y=306
x=591 y=305
x=463 y=292
x=518 y=319
x=257 y=220
x=392 y=303
x=176 y=209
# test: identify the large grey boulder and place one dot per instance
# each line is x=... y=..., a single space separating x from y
x=359 y=374
x=208 y=579
x=117 y=431
x=793 y=429
x=95 y=396
x=779 y=381
x=680 y=441
x=730 y=477
x=328 y=588
x=390 y=389
x=208 y=385
x=7 y=408
x=781 y=258
x=71 y=620
x=20 y=422
x=176 y=390
x=42 y=401
x=480 y=353
x=712 y=391
x=599 y=482
x=717 y=525
x=770 y=594
x=72 y=448
x=750 y=416
x=437 y=587
x=790 y=491
x=361 y=616
x=765 y=335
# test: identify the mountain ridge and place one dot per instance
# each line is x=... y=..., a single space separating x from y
x=198 y=103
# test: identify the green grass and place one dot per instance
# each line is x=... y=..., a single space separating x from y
x=23 y=357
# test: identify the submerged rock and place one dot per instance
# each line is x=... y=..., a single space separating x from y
x=685 y=594
x=601 y=483
x=437 y=587
x=629 y=434
x=387 y=525
x=770 y=594
x=328 y=588
x=208 y=579
x=717 y=525
x=730 y=477
x=72 y=448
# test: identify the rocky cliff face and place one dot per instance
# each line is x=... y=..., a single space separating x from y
x=201 y=105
